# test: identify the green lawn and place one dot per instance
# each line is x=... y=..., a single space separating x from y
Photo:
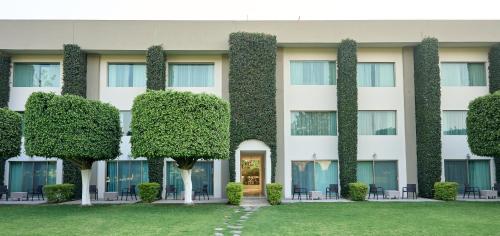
x=370 y=218
x=365 y=218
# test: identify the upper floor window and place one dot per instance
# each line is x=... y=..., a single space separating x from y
x=126 y=75
x=454 y=123
x=463 y=74
x=191 y=75
x=375 y=75
x=37 y=74
x=125 y=120
x=313 y=72
x=377 y=122
x=314 y=123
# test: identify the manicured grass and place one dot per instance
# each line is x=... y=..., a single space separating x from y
x=370 y=218
x=137 y=219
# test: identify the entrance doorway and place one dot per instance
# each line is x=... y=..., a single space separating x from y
x=252 y=173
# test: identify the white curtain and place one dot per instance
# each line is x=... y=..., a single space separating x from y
x=312 y=72
x=191 y=75
x=375 y=75
x=454 y=122
x=125 y=120
x=314 y=123
x=463 y=74
x=377 y=122
x=126 y=75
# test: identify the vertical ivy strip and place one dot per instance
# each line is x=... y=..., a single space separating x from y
x=4 y=80
x=74 y=71
x=494 y=77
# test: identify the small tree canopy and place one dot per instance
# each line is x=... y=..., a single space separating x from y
x=483 y=125
x=71 y=128
x=10 y=133
x=180 y=125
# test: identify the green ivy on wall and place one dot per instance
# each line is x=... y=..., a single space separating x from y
x=74 y=71
x=10 y=137
x=156 y=80
x=427 y=114
x=494 y=77
x=347 y=105
x=4 y=80
x=252 y=92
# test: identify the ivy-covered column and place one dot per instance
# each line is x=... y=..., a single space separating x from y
x=427 y=115
x=75 y=83
x=347 y=109
x=4 y=80
x=252 y=92
x=156 y=80
x=494 y=81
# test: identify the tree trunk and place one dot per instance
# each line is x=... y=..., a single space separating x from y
x=85 y=186
x=188 y=186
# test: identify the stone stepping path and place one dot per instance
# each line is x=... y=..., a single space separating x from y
x=233 y=223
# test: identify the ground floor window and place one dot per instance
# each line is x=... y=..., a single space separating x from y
x=202 y=174
x=473 y=172
x=381 y=173
x=314 y=175
x=123 y=174
x=25 y=176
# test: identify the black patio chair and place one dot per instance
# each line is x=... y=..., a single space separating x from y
x=4 y=190
x=470 y=189
x=298 y=190
x=38 y=191
x=375 y=191
x=496 y=187
x=410 y=188
x=332 y=188
x=130 y=191
x=93 y=190
x=170 y=189
x=202 y=192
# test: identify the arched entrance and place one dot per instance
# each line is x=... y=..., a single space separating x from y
x=253 y=167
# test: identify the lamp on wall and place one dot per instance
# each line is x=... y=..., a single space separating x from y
x=314 y=156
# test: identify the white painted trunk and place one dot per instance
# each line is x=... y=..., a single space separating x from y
x=188 y=186
x=85 y=187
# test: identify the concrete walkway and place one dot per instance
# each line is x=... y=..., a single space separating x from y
x=179 y=201
x=100 y=202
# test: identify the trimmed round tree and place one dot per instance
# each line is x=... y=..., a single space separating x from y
x=183 y=126
x=483 y=125
x=10 y=137
x=73 y=129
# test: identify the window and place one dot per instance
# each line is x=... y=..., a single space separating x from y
x=381 y=173
x=191 y=75
x=463 y=74
x=314 y=123
x=314 y=175
x=25 y=176
x=202 y=174
x=375 y=75
x=125 y=120
x=313 y=72
x=473 y=172
x=123 y=174
x=454 y=123
x=37 y=74
x=126 y=75
x=377 y=123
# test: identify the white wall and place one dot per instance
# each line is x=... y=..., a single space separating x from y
x=19 y=95
x=458 y=98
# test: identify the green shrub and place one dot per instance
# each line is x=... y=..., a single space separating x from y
x=10 y=137
x=347 y=103
x=74 y=71
x=446 y=191
x=59 y=192
x=4 y=80
x=427 y=114
x=252 y=87
x=234 y=192
x=483 y=125
x=274 y=193
x=156 y=69
x=148 y=192
x=358 y=191
x=494 y=68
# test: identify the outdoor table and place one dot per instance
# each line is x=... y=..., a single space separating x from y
x=110 y=196
x=19 y=195
x=315 y=195
x=391 y=194
x=488 y=194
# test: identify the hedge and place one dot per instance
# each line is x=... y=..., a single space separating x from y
x=4 y=80
x=10 y=137
x=483 y=125
x=156 y=68
x=148 y=192
x=347 y=105
x=71 y=175
x=71 y=128
x=234 y=192
x=358 y=191
x=59 y=192
x=427 y=114
x=446 y=191
x=74 y=71
x=494 y=68
x=274 y=193
x=252 y=92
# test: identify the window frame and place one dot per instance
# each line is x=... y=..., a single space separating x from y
x=109 y=63
x=335 y=112
x=168 y=70
x=484 y=63
x=314 y=174
x=374 y=161
x=442 y=122
x=25 y=62
x=379 y=62
x=313 y=60
x=395 y=123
